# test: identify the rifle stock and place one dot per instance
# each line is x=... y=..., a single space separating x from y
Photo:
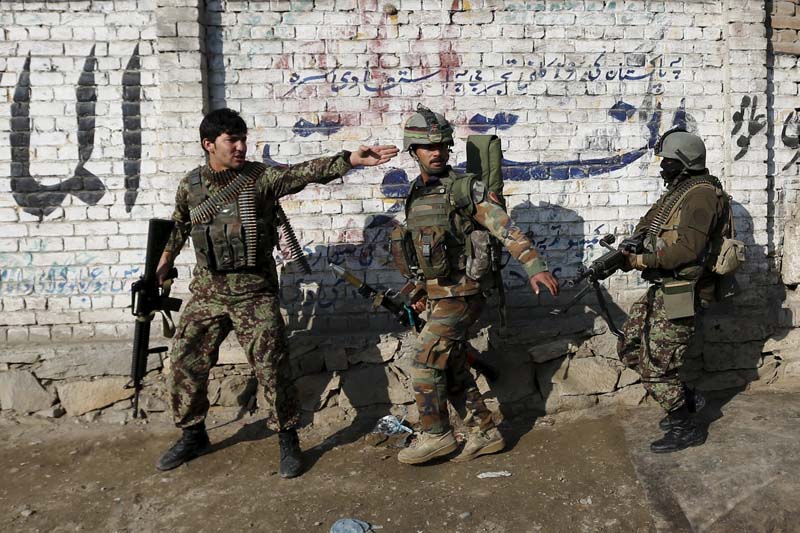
x=407 y=316
x=147 y=299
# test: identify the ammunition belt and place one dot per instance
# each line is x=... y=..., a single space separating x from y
x=295 y=252
x=247 y=214
x=241 y=190
x=674 y=199
x=204 y=212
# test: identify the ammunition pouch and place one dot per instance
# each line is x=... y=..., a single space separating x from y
x=479 y=254
x=731 y=255
x=679 y=299
x=221 y=247
x=402 y=249
x=431 y=250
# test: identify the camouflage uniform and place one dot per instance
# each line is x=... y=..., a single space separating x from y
x=654 y=345
x=245 y=301
x=440 y=368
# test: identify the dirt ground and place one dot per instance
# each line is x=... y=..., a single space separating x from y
x=577 y=472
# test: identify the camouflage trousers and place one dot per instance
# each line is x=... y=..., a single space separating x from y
x=440 y=370
x=206 y=320
x=656 y=347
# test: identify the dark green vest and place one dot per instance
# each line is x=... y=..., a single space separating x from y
x=238 y=236
x=438 y=223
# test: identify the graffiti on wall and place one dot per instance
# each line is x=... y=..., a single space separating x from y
x=396 y=182
x=755 y=123
x=39 y=199
x=132 y=127
x=21 y=277
x=748 y=123
x=515 y=79
x=790 y=135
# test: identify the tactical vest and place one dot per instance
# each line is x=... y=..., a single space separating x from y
x=231 y=230
x=663 y=229
x=439 y=230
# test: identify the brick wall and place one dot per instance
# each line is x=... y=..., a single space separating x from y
x=104 y=99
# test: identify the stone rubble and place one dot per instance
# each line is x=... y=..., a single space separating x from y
x=339 y=377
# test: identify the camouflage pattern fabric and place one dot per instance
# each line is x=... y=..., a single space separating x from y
x=245 y=302
x=440 y=370
x=656 y=347
x=490 y=215
x=204 y=324
x=273 y=184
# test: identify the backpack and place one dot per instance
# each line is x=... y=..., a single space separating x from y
x=485 y=159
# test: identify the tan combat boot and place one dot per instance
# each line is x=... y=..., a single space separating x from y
x=480 y=443
x=428 y=446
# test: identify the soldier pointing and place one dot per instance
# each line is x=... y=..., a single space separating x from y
x=228 y=206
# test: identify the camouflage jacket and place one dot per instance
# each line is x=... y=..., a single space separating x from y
x=273 y=184
x=488 y=214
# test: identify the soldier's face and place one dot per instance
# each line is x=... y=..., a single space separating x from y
x=433 y=157
x=226 y=152
x=670 y=168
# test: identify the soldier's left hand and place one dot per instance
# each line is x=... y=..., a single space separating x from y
x=546 y=279
x=369 y=156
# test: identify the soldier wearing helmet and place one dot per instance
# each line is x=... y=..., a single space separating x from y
x=682 y=233
x=448 y=215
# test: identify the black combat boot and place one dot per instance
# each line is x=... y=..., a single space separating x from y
x=193 y=442
x=291 y=457
x=694 y=402
x=683 y=433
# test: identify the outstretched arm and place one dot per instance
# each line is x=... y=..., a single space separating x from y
x=292 y=179
x=492 y=217
x=369 y=156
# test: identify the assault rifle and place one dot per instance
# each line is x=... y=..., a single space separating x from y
x=601 y=268
x=147 y=299
x=404 y=313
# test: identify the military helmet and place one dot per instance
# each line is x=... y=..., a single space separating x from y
x=687 y=148
x=427 y=127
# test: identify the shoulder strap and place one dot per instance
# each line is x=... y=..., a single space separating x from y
x=194 y=177
x=410 y=197
x=460 y=194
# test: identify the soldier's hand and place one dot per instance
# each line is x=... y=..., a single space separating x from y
x=370 y=156
x=632 y=261
x=419 y=305
x=627 y=266
x=163 y=268
x=546 y=279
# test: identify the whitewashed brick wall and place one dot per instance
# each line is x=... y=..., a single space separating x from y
x=589 y=82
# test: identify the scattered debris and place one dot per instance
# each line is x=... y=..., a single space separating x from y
x=351 y=525
x=500 y=473
x=389 y=425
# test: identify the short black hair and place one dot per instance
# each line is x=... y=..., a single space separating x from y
x=220 y=121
